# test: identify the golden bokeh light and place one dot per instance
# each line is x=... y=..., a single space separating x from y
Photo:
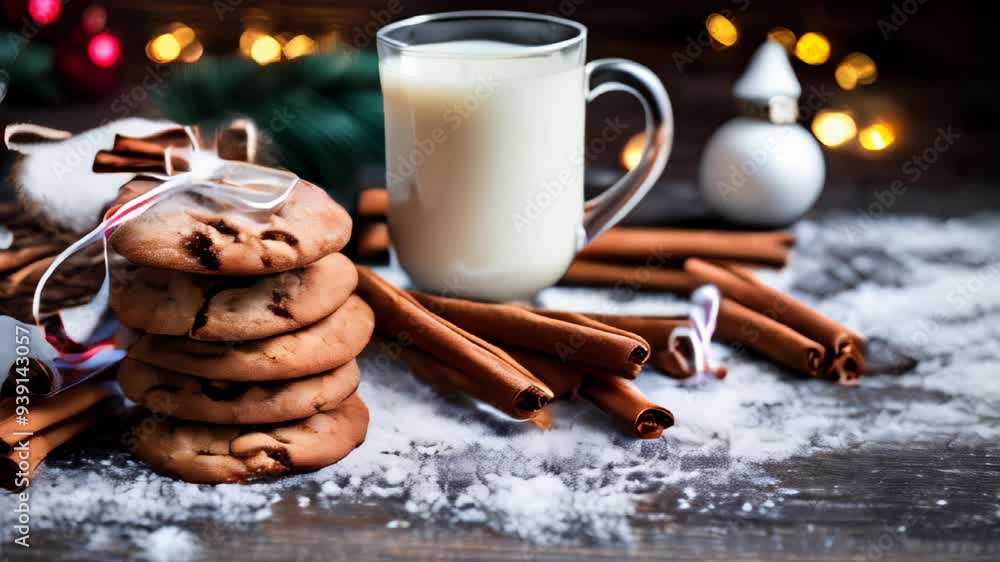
x=783 y=36
x=265 y=50
x=878 y=136
x=298 y=46
x=163 y=48
x=856 y=68
x=192 y=52
x=834 y=128
x=184 y=34
x=633 y=150
x=846 y=76
x=247 y=39
x=813 y=48
x=864 y=67
x=329 y=41
x=722 y=30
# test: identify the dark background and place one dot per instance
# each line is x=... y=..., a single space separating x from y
x=937 y=70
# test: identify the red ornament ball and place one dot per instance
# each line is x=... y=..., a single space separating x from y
x=89 y=64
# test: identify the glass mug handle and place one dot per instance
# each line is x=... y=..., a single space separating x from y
x=620 y=75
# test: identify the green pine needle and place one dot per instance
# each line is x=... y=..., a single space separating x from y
x=323 y=112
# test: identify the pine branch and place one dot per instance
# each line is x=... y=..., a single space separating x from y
x=323 y=112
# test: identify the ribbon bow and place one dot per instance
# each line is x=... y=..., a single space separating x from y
x=186 y=166
x=703 y=313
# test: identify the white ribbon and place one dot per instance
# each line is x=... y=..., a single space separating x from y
x=250 y=186
x=703 y=313
x=6 y=238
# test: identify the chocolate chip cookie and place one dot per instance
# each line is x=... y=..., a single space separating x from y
x=216 y=308
x=193 y=232
x=327 y=344
x=206 y=453
x=227 y=402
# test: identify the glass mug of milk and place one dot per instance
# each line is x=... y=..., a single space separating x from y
x=484 y=129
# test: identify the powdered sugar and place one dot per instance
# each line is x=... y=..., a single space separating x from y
x=169 y=544
x=922 y=290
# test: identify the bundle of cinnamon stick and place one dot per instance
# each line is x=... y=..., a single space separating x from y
x=514 y=358
x=27 y=248
x=27 y=436
x=781 y=327
x=639 y=258
x=754 y=316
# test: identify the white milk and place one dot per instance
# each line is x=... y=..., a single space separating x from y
x=485 y=166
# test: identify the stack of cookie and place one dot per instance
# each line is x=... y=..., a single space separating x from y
x=247 y=328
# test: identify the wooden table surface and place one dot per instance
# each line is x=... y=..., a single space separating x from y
x=868 y=505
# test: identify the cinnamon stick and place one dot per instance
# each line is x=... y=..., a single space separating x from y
x=770 y=338
x=46 y=412
x=398 y=315
x=572 y=342
x=630 y=371
x=601 y=274
x=37 y=376
x=543 y=420
x=372 y=241
x=625 y=244
x=654 y=329
x=450 y=381
x=621 y=400
x=10 y=212
x=106 y=162
x=77 y=276
x=675 y=364
x=16 y=258
x=145 y=154
x=373 y=204
x=632 y=244
x=562 y=378
x=154 y=146
x=844 y=348
x=39 y=447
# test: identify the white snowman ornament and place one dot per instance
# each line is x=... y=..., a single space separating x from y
x=763 y=169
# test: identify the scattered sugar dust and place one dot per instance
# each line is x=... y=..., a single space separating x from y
x=924 y=291
x=169 y=544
